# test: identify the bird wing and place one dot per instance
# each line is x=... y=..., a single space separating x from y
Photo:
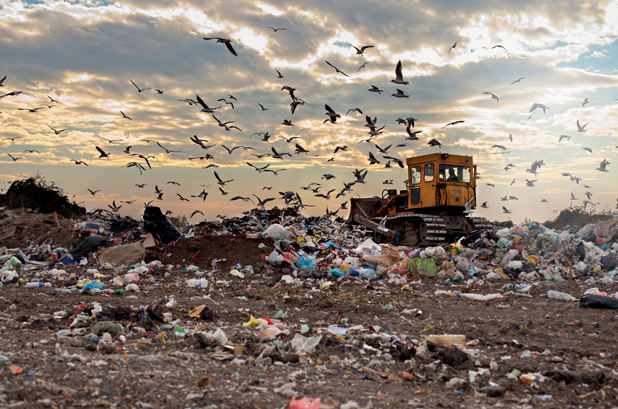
x=217 y=176
x=329 y=110
x=331 y=65
x=398 y=73
x=201 y=102
x=231 y=49
x=101 y=151
x=134 y=84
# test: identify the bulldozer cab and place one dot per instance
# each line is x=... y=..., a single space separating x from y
x=436 y=180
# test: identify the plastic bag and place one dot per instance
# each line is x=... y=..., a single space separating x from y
x=304 y=263
x=157 y=224
x=598 y=301
x=426 y=268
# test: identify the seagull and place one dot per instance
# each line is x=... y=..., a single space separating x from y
x=336 y=69
x=400 y=94
x=114 y=207
x=245 y=199
x=581 y=128
x=189 y=101
x=362 y=49
x=341 y=148
x=167 y=150
x=434 y=142
x=573 y=196
x=399 y=75
x=261 y=202
x=203 y=194
x=227 y=42
x=212 y=165
x=276 y=29
x=375 y=89
x=454 y=45
x=353 y=110
x=535 y=165
x=452 y=123
x=499 y=147
x=328 y=176
x=586 y=101
x=505 y=210
x=360 y=175
x=512 y=182
x=530 y=183
x=296 y=103
x=196 y=212
x=279 y=75
x=57 y=132
x=259 y=170
x=29 y=109
x=388 y=182
x=493 y=96
x=484 y=205
x=141 y=185
x=223 y=192
x=221 y=182
x=587 y=149
x=383 y=151
x=159 y=91
x=568 y=138
x=499 y=47
x=262 y=106
x=228 y=103
x=224 y=124
x=511 y=138
x=544 y=201
x=138 y=88
x=11 y=94
x=517 y=80
x=2 y=81
x=327 y=196
x=588 y=195
x=586 y=203
x=125 y=117
x=102 y=152
x=287 y=122
x=332 y=115
x=276 y=172
x=31 y=151
x=93 y=192
x=412 y=135
x=602 y=166
x=171 y=182
x=490 y=184
x=229 y=151
x=182 y=198
x=205 y=107
x=362 y=66
x=399 y=161
x=537 y=105
x=15 y=159
x=300 y=149
x=468 y=206
x=372 y=160
x=290 y=90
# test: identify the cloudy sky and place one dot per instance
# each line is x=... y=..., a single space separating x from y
x=84 y=53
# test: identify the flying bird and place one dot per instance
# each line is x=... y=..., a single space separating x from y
x=372 y=159
x=505 y=210
x=581 y=128
x=354 y=110
x=336 y=69
x=602 y=166
x=138 y=88
x=57 y=132
x=537 y=105
x=226 y=41
x=564 y=137
x=362 y=66
x=93 y=192
x=499 y=46
x=124 y=116
x=375 y=89
x=586 y=101
x=205 y=107
x=276 y=29
x=196 y=212
x=399 y=76
x=262 y=106
x=362 y=49
x=452 y=123
x=493 y=96
x=220 y=181
x=332 y=115
x=228 y=103
x=434 y=142
x=15 y=159
x=182 y=198
x=454 y=45
x=400 y=94
x=261 y=202
x=517 y=80
x=102 y=152
x=168 y=151
x=279 y=75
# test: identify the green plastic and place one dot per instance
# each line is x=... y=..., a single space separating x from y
x=425 y=268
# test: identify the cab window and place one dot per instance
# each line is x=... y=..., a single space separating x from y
x=415 y=175
x=428 y=172
x=453 y=173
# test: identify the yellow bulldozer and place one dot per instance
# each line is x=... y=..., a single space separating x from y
x=440 y=193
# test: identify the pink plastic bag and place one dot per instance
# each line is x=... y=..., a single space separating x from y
x=304 y=403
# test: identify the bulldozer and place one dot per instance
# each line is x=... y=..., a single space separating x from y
x=435 y=206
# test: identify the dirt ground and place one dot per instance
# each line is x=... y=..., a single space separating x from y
x=572 y=348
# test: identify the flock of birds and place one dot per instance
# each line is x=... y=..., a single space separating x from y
x=143 y=162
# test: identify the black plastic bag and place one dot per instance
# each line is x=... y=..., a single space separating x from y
x=159 y=226
x=598 y=301
x=609 y=262
x=92 y=243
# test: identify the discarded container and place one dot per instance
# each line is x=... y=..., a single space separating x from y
x=557 y=295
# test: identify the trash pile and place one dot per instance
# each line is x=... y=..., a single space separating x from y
x=274 y=311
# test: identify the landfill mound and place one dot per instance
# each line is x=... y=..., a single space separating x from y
x=309 y=313
x=37 y=194
x=577 y=216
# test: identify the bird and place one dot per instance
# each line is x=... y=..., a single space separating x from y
x=412 y=136
x=171 y=182
x=505 y=210
x=375 y=89
x=31 y=151
x=221 y=182
x=93 y=192
x=587 y=149
x=400 y=94
x=296 y=103
x=454 y=45
x=203 y=194
x=276 y=29
x=287 y=122
x=573 y=196
x=372 y=159
x=530 y=183
x=399 y=76
x=336 y=69
x=261 y=202
x=114 y=207
x=511 y=138
x=493 y=96
x=182 y=198
x=15 y=159
x=581 y=128
x=300 y=149
x=564 y=137
x=212 y=165
x=140 y=185
x=586 y=203
x=512 y=182
x=341 y=148
x=328 y=176
x=57 y=132
x=279 y=75
x=537 y=105
x=259 y=170
x=499 y=147
x=325 y=196
x=290 y=90
x=11 y=94
x=223 y=192
x=452 y=123
x=102 y=152
x=383 y=151
x=228 y=103
x=602 y=166
x=360 y=175
x=362 y=66
x=586 y=101
x=434 y=142
x=2 y=81
x=499 y=46
x=332 y=115
x=262 y=106
x=79 y=162
x=517 y=80
x=275 y=172
x=29 y=109
x=196 y=212
x=138 y=88
x=362 y=49
x=124 y=116
x=544 y=201
x=189 y=101
x=206 y=108
x=588 y=195
x=245 y=199
x=490 y=184
x=168 y=151
x=226 y=41
x=468 y=206
x=354 y=110
x=397 y=160
x=159 y=91
x=484 y=205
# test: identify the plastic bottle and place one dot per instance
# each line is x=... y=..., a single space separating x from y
x=34 y=285
x=557 y=295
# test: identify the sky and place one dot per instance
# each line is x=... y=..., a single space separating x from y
x=84 y=54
